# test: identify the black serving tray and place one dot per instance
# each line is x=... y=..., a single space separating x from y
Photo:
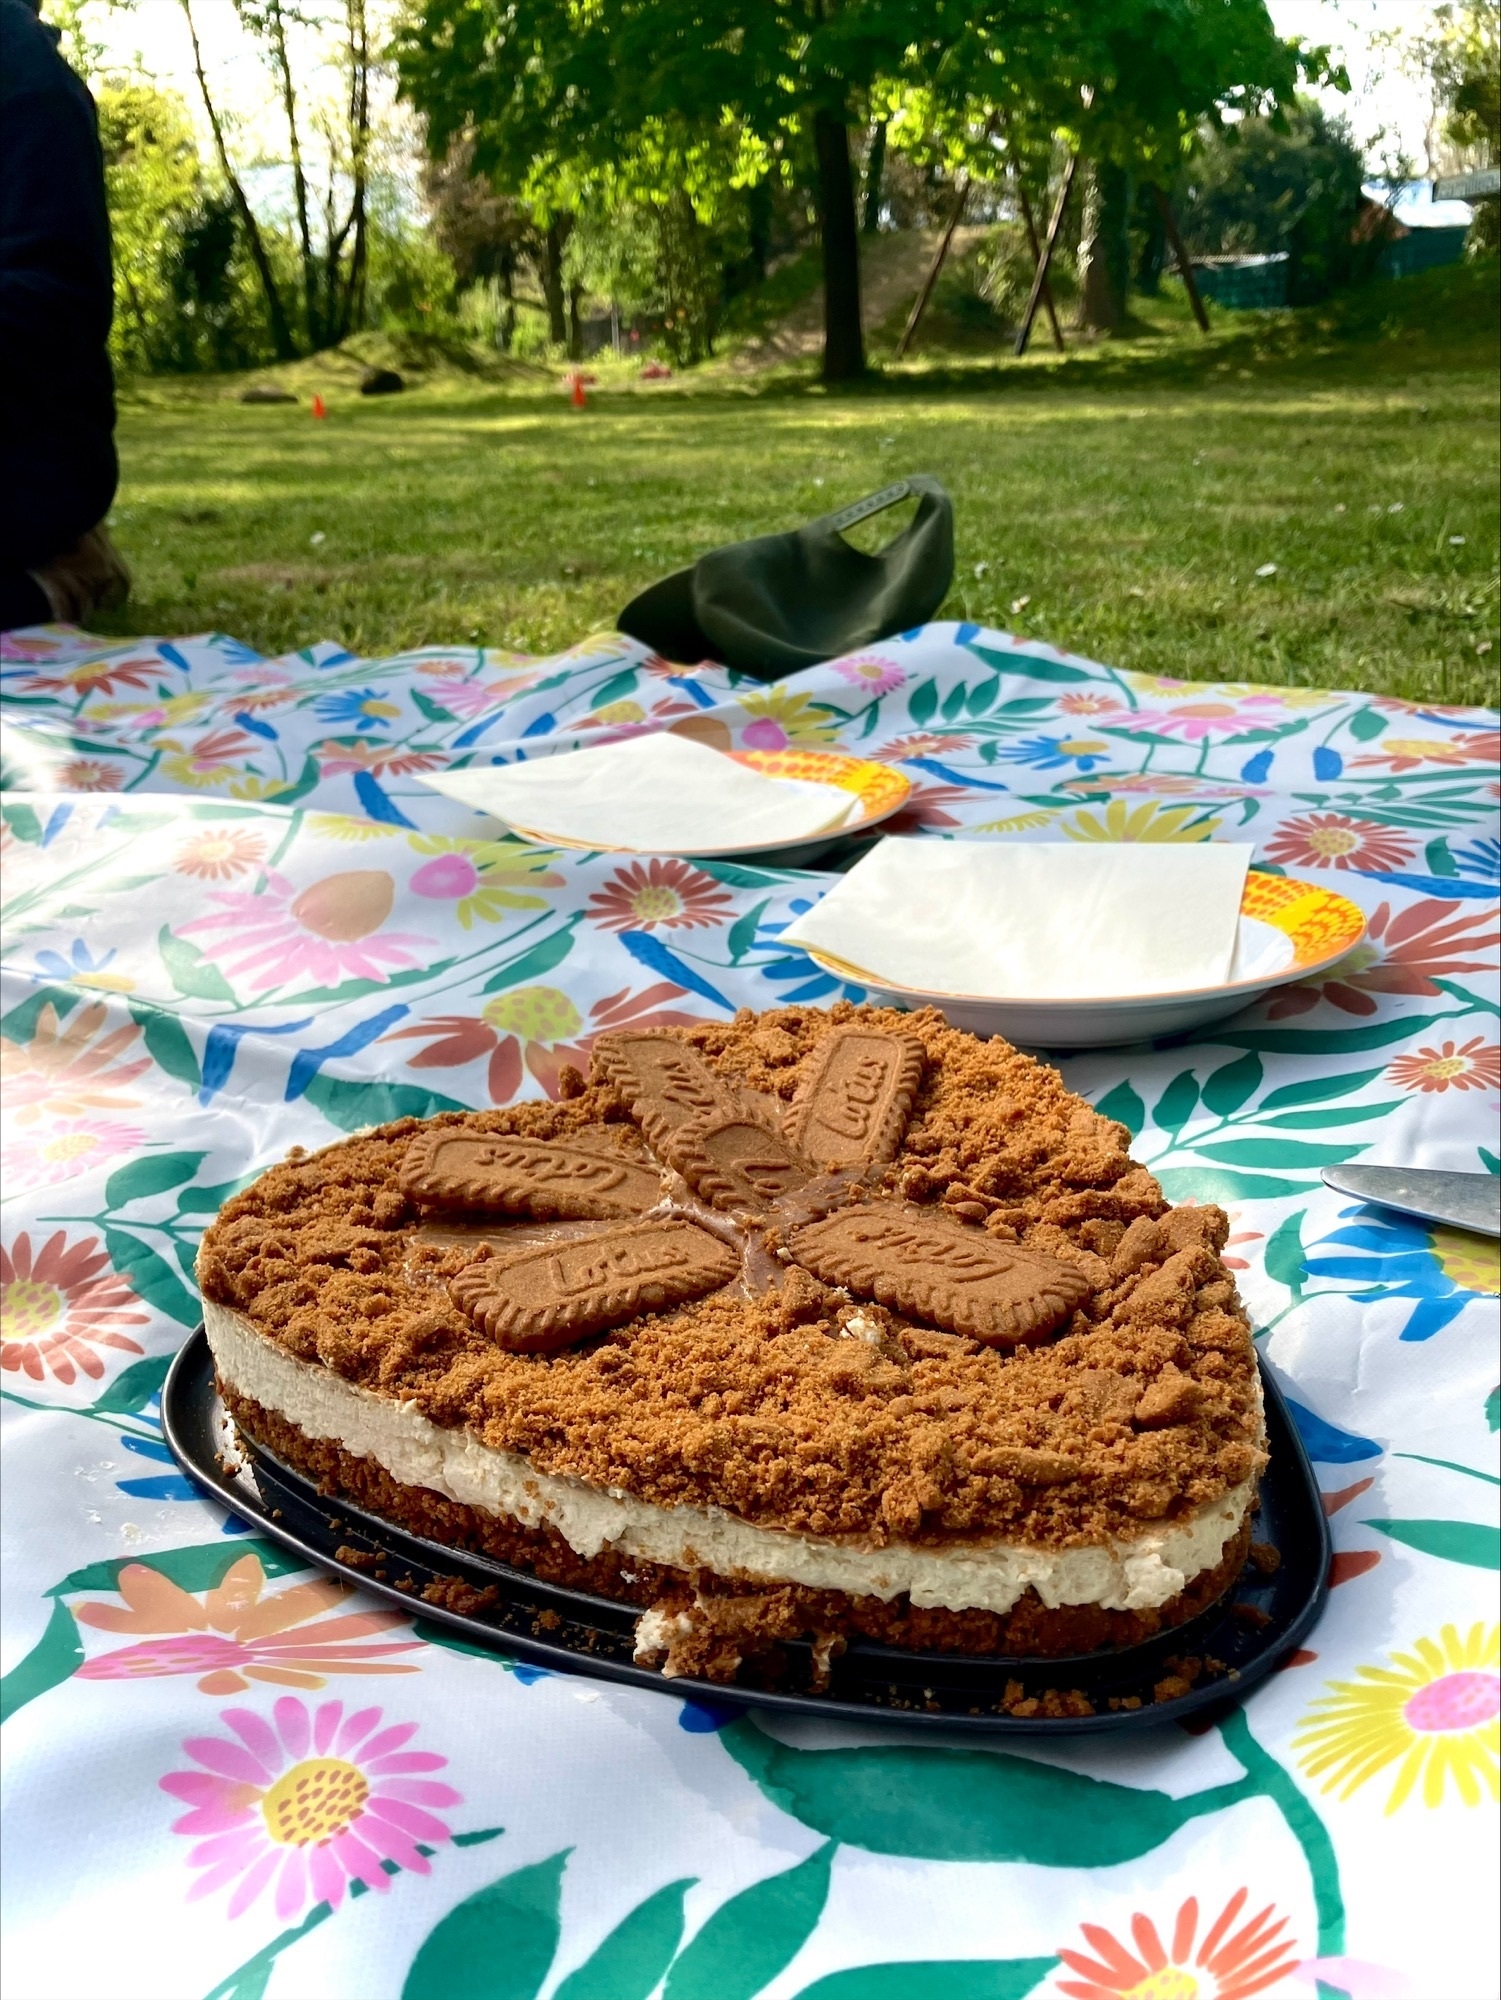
x=1250 y=1630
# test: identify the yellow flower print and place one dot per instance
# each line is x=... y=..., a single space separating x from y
x=1433 y=1713
x=1145 y=822
x=344 y=826
x=1018 y=823
x=777 y=718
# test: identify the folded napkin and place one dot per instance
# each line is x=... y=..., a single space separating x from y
x=1007 y=921
x=659 y=794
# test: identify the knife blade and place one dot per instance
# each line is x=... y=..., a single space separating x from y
x=1468 y=1201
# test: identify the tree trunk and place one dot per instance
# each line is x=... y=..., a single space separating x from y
x=875 y=170
x=315 y=317
x=281 y=331
x=1153 y=253
x=1105 y=249
x=843 y=341
x=575 y=322
x=555 y=236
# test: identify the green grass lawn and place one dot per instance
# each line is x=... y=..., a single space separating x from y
x=1120 y=502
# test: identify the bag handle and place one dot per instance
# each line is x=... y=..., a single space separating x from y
x=873 y=503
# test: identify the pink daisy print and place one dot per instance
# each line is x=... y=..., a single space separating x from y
x=871 y=672
x=308 y=1802
x=326 y=932
x=63 y=1150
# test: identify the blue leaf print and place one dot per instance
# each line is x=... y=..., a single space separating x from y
x=222 y=1046
x=376 y=803
x=1255 y=768
x=650 y=951
x=952 y=777
x=1326 y=1442
x=307 y=1062
x=245 y=720
x=1327 y=763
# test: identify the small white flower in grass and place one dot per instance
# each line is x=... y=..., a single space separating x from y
x=980 y=568
x=1340 y=507
x=1395 y=507
x=1456 y=541
x=1267 y=569
x=1482 y=647
x=818 y=482
x=1136 y=591
x=317 y=541
x=1019 y=604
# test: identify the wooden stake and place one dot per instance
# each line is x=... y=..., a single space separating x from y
x=920 y=303
x=1032 y=238
x=1185 y=268
x=1024 y=331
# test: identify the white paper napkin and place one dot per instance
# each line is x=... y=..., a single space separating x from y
x=659 y=794
x=1049 y=921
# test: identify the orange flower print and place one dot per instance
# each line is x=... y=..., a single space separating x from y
x=220 y=854
x=659 y=895
x=536 y=1029
x=1400 y=753
x=87 y=774
x=1404 y=952
x=1227 y=1965
x=66 y=1072
x=236 y=1634
x=60 y=1305
x=97 y=677
x=1334 y=840
x=1474 y=1065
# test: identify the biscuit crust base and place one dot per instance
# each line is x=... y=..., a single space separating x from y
x=740 y=1618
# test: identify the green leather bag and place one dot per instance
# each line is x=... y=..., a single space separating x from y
x=769 y=606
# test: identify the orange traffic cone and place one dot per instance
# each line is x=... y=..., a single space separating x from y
x=320 y=408
x=580 y=400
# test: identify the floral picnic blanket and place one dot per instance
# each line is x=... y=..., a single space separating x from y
x=236 y=922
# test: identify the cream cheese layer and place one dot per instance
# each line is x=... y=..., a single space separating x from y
x=1135 y=1574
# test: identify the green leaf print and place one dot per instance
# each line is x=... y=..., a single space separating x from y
x=24 y=824
x=981 y=697
x=19 y=1025
x=1465 y=1542
x=1175 y=1107
x=1227 y=1089
x=56 y=1656
x=133 y=1388
x=1275 y=1152
x=1284 y=1260
x=426 y=706
x=742 y=934
x=749 y=1939
x=498 y=1944
x=1335 y=1041
x=1216 y=1184
x=937 y=1804
x=1493 y=1409
x=1123 y=1103
x=631 y=1961
x=167 y=1043
x=307 y=779
x=935 y=1979
x=153 y=1174
x=735 y=875
x=1366 y=724
x=1315 y=1120
x=1438 y=858
x=616 y=688
x=193 y=975
x=151 y=1277
x=922 y=703
x=532 y=964
x=349 y=1105
x=1027 y=666
x=209 y=1200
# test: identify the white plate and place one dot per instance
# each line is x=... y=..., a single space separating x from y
x=1300 y=929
